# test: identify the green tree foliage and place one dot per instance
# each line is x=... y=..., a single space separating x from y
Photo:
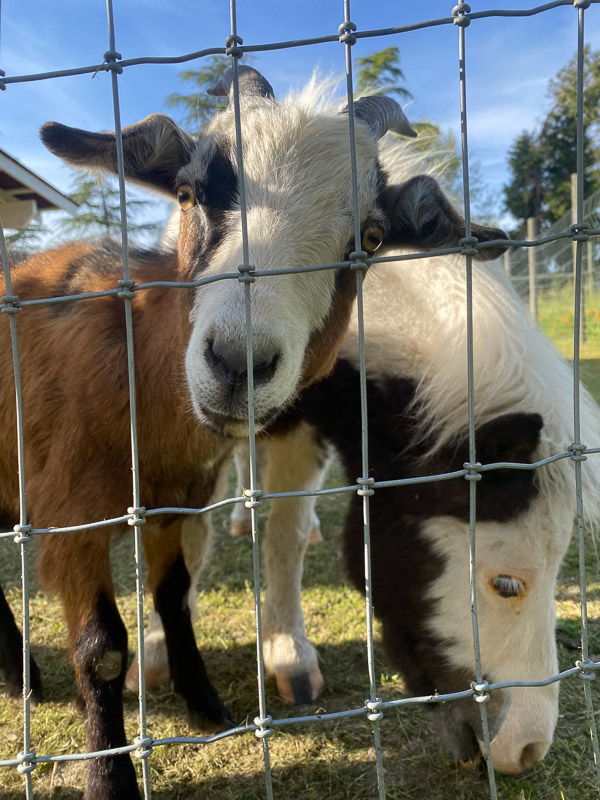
x=541 y=163
x=524 y=195
x=199 y=106
x=26 y=239
x=99 y=210
x=380 y=73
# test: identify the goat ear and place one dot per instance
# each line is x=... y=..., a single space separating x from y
x=511 y=437
x=421 y=216
x=153 y=150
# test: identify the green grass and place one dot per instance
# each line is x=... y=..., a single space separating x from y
x=309 y=761
x=333 y=760
x=556 y=318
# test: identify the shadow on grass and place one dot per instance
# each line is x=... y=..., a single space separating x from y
x=427 y=773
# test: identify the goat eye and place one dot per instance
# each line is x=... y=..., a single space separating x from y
x=186 y=197
x=507 y=586
x=372 y=238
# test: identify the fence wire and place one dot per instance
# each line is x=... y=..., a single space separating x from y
x=584 y=230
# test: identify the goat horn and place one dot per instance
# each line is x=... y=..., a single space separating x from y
x=382 y=114
x=251 y=83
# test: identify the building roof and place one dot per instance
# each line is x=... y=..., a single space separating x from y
x=23 y=194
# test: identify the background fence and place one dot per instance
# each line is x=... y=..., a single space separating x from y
x=552 y=249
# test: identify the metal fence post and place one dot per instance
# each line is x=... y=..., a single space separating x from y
x=583 y=328
x=531 y=262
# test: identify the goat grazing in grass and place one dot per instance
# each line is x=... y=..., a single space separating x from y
x=190 y=354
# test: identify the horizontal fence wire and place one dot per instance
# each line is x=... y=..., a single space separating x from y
x=462 y=17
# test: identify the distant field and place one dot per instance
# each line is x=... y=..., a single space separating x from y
x=555 y=316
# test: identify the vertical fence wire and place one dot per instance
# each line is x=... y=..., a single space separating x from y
x=10 y=307
x=473 y=476
x=143 y=750
x=263 y=731
x=26 y=766
x=375 y=714
x=580 y=241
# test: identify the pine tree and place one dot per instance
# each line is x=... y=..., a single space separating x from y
x=380 y=73
x=99 y=209
x=541 y=163
x=199 y=106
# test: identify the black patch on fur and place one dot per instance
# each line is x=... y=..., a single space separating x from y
x=403 y=562
x=112 y=777
x=188 y=674
x=421 y=216
x=218 y=188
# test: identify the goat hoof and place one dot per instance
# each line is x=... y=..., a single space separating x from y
x=14 y=685
x=300 y=689
x=156 y=677
x=240 y=529
x=315 y=536
x=210 y=710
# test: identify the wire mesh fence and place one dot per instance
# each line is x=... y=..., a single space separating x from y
x=546 y=281
x=581 y=234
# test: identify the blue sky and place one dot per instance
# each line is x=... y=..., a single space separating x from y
x=509 y=62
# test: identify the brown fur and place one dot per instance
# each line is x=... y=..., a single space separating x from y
x=77 y=441
x=324 y=345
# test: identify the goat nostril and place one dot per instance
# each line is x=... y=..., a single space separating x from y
x=265 y=369
x=532 y=753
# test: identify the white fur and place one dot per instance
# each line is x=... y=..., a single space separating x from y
x=516 y=370
x=299 y=204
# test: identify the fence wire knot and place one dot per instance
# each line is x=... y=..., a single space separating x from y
x=26 y=762
x=231 y=48
x=137 y=516
x=127 y=289
x=262 y=729
x=461 y=15
x=481 y=695
x=253 y=494
x=586 y=669
x=23 y=534
x=374 y=709
x=10 y=304
x=577 y=451
x=357 y=260
x=578 y=232
x=110 y=59
x=246 y=273
x=366 y=485
x=346 y=31
x=473 y=470
x=144 y=746
x=467 y=246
